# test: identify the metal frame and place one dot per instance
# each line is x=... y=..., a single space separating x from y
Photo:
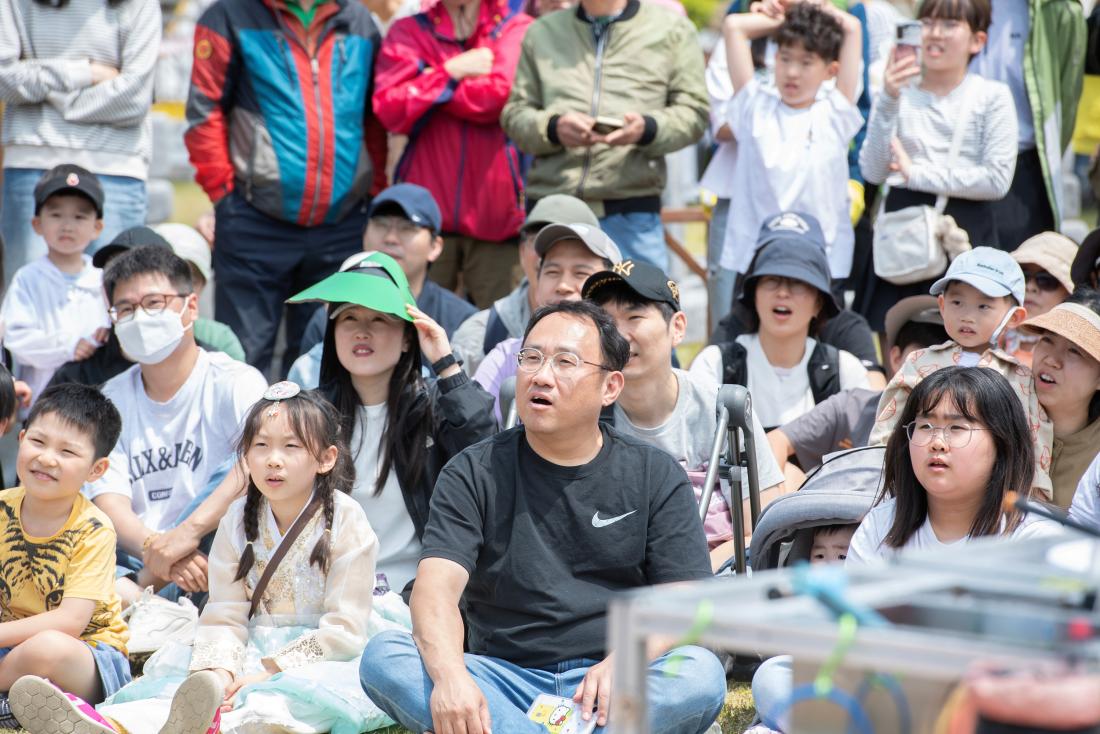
x=759 y=615
x=737 y=466
x=508 y=402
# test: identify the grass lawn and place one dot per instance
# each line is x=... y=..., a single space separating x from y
x=735 y=717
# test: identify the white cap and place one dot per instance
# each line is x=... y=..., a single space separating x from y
x=188 y=245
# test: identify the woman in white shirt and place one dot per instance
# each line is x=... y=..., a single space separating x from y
x=401 y=429
x=961 y=445
x=785 y=291
x=928 y=93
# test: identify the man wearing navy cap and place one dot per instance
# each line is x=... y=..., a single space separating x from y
x=404 y=222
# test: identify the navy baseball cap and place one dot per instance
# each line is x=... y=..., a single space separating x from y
x=415 y=203
x=791 y=245
x=69 y=179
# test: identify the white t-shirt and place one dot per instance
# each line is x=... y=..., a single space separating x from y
x=1085 y=507
x=718 y=178
x=790 y=160
x=688 y=433
x=779 y=395
x=867 y=546
x=398 y=546
x=168 y=451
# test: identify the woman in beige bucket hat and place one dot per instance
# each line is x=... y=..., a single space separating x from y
x=1066 y=369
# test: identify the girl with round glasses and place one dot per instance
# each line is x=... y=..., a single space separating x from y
x=961 y=445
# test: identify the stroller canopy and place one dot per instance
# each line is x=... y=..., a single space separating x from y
x=840 y=491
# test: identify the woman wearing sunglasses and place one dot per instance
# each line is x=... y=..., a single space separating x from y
x=1046 y=260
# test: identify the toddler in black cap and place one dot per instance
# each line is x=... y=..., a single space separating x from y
x=54 y=310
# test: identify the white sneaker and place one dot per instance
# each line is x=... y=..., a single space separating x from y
x=195 y=705
x=153 y=620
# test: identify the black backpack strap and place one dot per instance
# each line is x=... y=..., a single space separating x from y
x=734 y=363
x=495 y=331
x=824 y=371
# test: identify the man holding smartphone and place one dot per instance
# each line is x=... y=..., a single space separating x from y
x=602 y=93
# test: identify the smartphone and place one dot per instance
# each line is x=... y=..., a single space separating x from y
x=605 y=125
x=908 y=39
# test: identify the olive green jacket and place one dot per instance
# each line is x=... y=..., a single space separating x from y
x=647 y=60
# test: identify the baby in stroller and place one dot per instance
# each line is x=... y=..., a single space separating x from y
x=814 y=524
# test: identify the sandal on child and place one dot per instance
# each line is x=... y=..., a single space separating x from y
x=43 y=708
x=195 y=705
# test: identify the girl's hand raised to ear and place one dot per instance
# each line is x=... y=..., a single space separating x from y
x=433 y=340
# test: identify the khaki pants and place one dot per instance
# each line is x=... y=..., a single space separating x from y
x=485 y=271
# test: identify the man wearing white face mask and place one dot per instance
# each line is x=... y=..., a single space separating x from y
x=181 y=408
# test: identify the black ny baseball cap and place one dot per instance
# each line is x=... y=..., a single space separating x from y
x=648 y=281
x=68 y=179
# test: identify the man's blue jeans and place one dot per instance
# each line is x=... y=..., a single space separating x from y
x=123 y=207
x=686 y=687
x=639 y=235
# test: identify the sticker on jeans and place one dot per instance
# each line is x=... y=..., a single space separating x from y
x=560 y=715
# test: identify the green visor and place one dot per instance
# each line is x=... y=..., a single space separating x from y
x=375 y=282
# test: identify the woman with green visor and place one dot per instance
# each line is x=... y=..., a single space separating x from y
x=401 y=429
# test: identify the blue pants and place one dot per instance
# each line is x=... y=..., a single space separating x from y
x=772 y=685
x=684 y=697
x=123 y=207
x=639 y=235
x=260 y=261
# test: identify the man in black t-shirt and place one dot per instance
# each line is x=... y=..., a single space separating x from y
x=539 y=527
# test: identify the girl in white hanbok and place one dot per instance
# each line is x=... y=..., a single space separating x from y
x=275 y=642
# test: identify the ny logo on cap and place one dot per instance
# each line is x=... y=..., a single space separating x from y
x=72 y=179
x=623 y=268
x=790 y=222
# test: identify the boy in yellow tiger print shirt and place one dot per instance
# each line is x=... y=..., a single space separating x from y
x=60 y=617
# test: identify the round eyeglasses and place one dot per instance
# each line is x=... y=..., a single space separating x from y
x=564 y=364
x=956 y=435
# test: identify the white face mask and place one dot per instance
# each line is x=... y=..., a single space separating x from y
x=150 y=339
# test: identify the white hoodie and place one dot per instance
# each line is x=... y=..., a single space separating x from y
x=45 y=313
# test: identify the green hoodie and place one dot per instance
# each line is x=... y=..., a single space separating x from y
x=1054 y=62
x=645 y=60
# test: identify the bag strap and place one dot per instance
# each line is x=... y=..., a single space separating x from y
x=956 y=141
x=952 y=153
x=284 y=546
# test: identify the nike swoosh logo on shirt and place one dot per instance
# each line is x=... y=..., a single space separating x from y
x=597 y=522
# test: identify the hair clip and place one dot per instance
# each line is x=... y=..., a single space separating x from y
x=278 y=392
